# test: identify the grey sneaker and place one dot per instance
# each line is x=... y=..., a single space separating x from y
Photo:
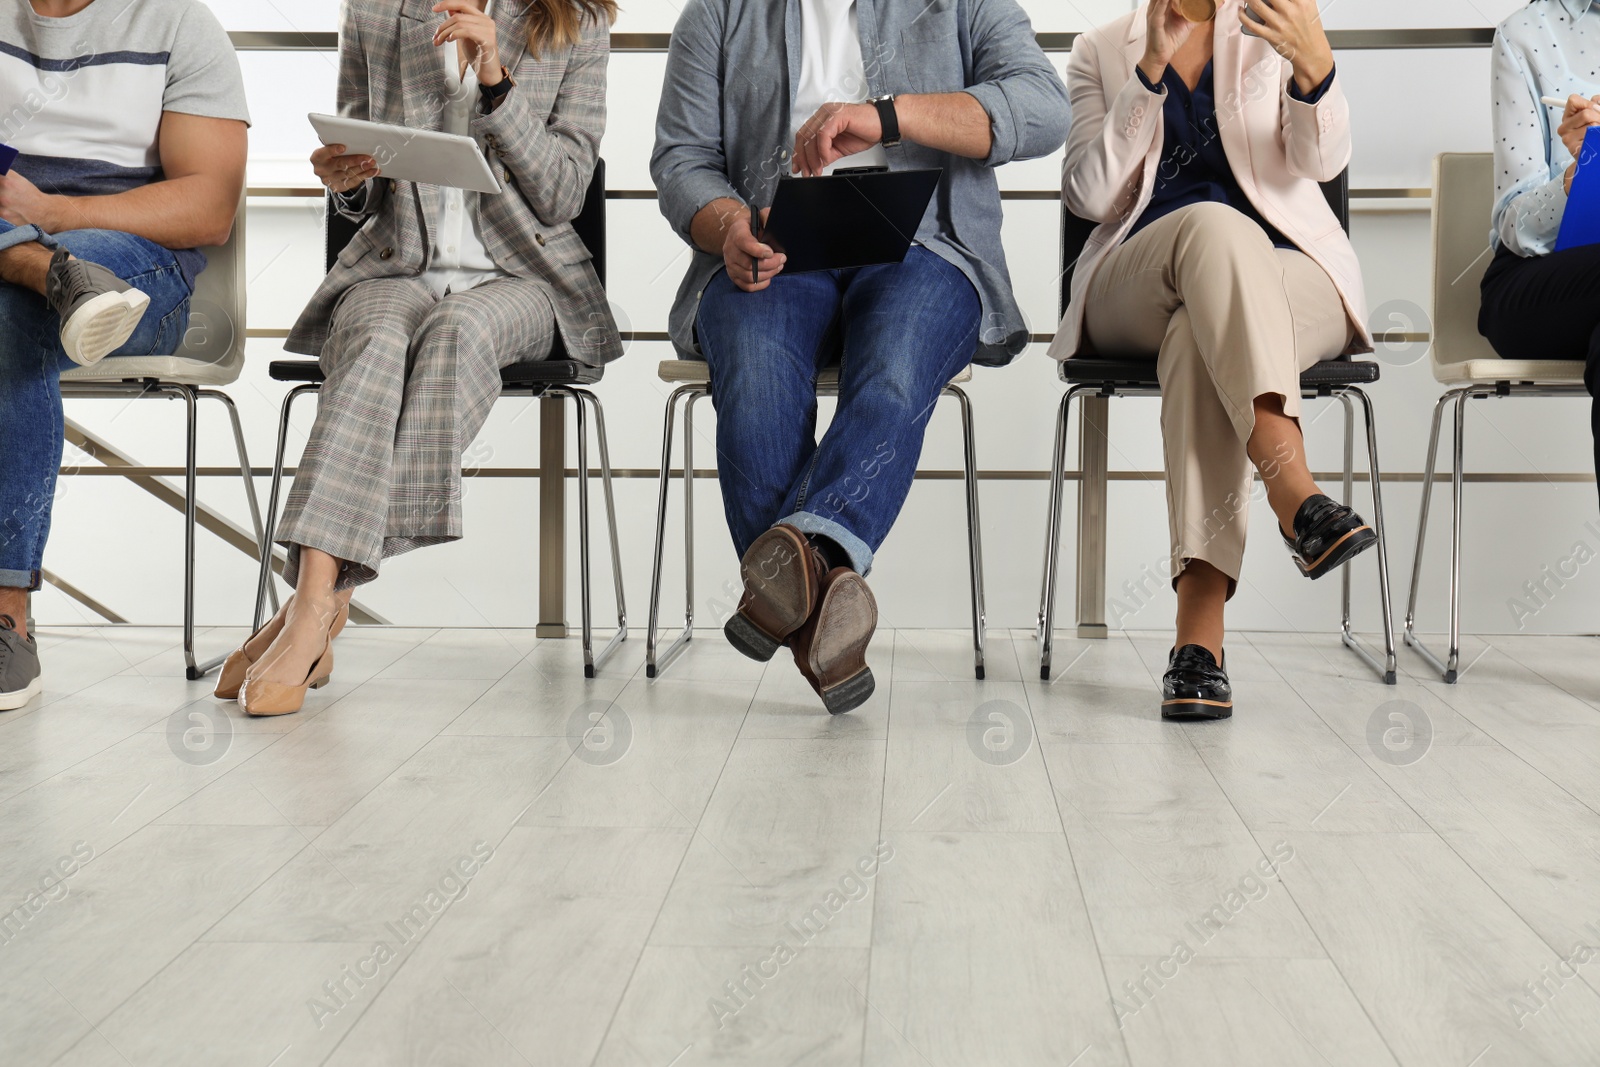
x=99 y=311
x=19 y=666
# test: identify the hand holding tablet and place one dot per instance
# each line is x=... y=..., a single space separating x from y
x=425 y=157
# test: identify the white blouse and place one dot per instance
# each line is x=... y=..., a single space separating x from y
x=462 y=260
x=1549 y=48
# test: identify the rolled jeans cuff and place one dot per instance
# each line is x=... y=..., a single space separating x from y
x=807 y=523
x=32 y=581
x=22 y=235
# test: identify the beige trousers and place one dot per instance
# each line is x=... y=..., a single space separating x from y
x=1233 y=318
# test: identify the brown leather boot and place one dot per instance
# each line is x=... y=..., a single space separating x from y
x=782 y=584
x=831 y=648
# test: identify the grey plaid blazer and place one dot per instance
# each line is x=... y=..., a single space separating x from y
x=544 y=139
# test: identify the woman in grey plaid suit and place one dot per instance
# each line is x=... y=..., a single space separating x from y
x=438 y=291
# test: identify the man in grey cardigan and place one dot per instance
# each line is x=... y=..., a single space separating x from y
x=756 y=90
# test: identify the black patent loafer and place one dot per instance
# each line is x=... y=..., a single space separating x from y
x=1327 y=534
x=1195 y=688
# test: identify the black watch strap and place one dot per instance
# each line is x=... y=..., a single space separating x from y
x=492 y=94
x=889 y=120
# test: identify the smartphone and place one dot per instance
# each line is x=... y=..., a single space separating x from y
x=8 y=156
x=1251 y=11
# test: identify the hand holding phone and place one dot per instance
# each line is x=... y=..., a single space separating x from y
x=1250 y=10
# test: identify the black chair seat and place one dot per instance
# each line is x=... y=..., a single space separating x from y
x=519 y=375
x=1141 y=373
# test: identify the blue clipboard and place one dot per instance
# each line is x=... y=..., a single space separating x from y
x=1580 y=224
x=8 y=156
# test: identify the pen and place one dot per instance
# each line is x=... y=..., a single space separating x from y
x=1553 y=102
x=755 y=231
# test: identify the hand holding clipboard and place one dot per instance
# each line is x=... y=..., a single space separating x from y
x=1580 y=223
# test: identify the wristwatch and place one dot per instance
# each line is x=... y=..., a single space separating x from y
x=493 y=94
x=888 y=119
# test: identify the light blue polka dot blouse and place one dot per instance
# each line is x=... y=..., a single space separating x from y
x=1549 y=48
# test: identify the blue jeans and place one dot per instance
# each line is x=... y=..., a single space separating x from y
x=31 y=362
x=899 y=333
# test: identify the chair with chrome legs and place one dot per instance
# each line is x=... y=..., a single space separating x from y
x=1464 y=362
x=692 y=378
x=212 y=355
x=1340 y=379
x=554 y=377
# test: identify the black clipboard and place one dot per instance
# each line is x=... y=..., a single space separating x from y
x=848 y=220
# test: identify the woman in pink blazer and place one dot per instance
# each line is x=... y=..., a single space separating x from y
x=1198 y=146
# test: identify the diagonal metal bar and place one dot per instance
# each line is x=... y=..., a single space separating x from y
x=235 y=536
x=81 y=597
x=98 y=448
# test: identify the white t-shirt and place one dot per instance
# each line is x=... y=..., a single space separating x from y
x=831 y=70
x=462 y=260
x=82 y=97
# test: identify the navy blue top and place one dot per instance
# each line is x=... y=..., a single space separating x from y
x=1194 y=165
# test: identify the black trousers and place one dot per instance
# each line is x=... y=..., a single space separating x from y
x=1547 y=307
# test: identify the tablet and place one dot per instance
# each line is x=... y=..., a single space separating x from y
x=848 y=220
x=426 y=157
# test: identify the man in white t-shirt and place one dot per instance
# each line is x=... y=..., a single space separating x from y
x=125 y=122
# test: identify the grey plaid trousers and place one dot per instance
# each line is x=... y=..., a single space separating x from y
x=410 y=381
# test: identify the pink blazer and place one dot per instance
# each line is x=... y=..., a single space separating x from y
x=1280 y=149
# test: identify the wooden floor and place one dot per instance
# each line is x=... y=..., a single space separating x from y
x=463 y=853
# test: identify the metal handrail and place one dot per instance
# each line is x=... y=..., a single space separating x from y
x=316 y=192
x=1352 y=40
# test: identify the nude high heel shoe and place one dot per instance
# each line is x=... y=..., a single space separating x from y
x=260 y=697
x=239 y=661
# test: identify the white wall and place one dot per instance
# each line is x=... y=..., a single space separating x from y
x=119 y=544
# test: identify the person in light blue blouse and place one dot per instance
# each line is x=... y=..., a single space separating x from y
x=1537 y=302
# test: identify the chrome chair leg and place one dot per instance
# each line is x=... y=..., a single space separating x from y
x=1422 y=523
x=1057 y=461
x=191 y=478
x=581 y=396
x=587 y=630
x=251 y=497
x=974 y=528
x=1388 y=667
x=1447 y=671
x=1349 y=498
x=269 y=525
x=688 y=515
x=1410 y=631
x=1457 y=485
x=654 y=661
x=1052 y=540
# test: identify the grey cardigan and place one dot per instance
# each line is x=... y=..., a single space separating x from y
x=723 y=126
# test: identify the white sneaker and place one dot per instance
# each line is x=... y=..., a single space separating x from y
x=99 y=311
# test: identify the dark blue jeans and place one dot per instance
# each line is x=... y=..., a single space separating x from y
x=899 y=333
x=31 y=362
